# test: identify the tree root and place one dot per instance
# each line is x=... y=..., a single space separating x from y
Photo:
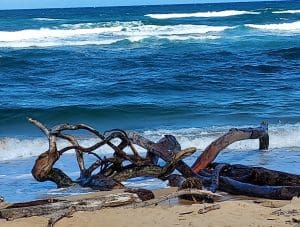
x=108 y=173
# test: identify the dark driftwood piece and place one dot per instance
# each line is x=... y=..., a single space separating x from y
x=227 y=184
x=259 y=175
x=185 y=192
x=111 y=171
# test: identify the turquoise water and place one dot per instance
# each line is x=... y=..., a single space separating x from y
x=190 y=70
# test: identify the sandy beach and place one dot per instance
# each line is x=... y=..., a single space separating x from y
x=103 y=95
x=233 y=211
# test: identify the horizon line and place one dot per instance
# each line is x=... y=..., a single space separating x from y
x=106 y=6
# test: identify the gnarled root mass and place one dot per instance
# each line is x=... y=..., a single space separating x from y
x=127 y=162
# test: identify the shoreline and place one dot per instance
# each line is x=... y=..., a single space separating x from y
x=233 y=211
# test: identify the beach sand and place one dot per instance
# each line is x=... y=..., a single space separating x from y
x=234 y=211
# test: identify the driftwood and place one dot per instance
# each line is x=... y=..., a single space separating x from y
x=44 y=208
x=108 y=172
x=112 y=170
x=211 y=152
x=206 y=195
x=126 y=162
x=56 y=209
x=228 y=184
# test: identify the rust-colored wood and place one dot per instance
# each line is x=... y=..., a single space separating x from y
x=234 y=134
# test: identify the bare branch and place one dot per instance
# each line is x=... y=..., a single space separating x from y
x=40 y=126
x=234 y=134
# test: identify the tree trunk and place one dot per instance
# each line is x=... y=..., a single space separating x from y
x=44 y=208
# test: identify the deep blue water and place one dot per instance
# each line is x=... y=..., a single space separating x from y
x=190 y=70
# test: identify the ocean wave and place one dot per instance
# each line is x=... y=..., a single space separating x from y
x=46 y=19
x=46 y=33
x=287 y=11
x=191 y=37
x=288 y=27
x=59 y=43
x=225 y=13
x=281 y=136
x=104 y=34
x=16 y=148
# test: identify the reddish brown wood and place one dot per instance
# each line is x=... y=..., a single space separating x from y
x=234 y=134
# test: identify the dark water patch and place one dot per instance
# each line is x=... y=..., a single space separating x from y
x=10 y=62
x=262 y=68
x=287 y=53
x=123 y=116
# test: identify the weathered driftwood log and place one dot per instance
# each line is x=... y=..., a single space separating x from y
x=270 y=192
x=236 y=180
x=258 y=175
x=226 y=184
x=40 y=208
x=121 y=166
x=234 y=134
x=112 y=170
x=56 y=209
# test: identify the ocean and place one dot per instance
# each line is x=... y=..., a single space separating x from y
x=193 y=71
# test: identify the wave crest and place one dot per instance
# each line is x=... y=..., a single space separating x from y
x=289 y=27
x=46 y=19
x=225 y=13
x=287 y=11
x=101 y=34
x=281 y=136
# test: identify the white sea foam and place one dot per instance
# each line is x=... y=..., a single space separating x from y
x=225 y=13
x=293 y=27
x=281 y=136
x=288 y=11
x=46 y=19
x=15 y=148
x=147 y=183
x=104 y=34
x=46 y=33
x=59 y=43
x=23 y=176
x=191 y=37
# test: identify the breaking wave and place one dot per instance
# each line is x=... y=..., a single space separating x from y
x=225 y=13
x=281 y=136
x=287 y=11
x=104 y=34
x=288 y=27
x=46 y=19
